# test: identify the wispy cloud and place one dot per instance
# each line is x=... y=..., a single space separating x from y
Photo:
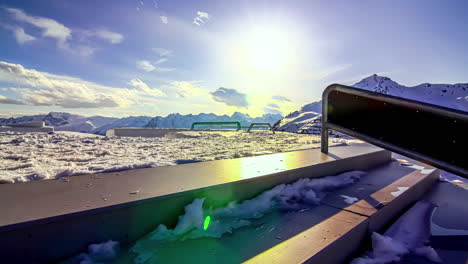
x=163 y=52
x=49 y=27
x=55 y=90
x=280 y=98
x=145 y=65
x=60 y=33
x=201 y=18
x=5 y=100
x=21 y=36
x=186 y=89
x=161 y=61
x=271 y=105
x=164 y=19
x=109 y=36
x=148 y=66
x=141 y=86
x=230 y=97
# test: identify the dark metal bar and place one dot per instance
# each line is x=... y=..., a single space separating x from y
x=260 y=124
x=236 y=123
x=432 y=134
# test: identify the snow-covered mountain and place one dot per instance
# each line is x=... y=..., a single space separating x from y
x=307 y=119
x=448 y=95
x=70 y=122
x=294 y=121
x=77 y=123
x=185 y=121
x=99 y=124
x=21 y=119
x=131 y=121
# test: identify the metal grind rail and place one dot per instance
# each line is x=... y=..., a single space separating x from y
x=431 y=134
x=235 y=123
x=261 y=125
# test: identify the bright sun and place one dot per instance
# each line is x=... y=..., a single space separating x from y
x=264 y=49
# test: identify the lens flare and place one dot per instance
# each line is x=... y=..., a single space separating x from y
x=207 y=222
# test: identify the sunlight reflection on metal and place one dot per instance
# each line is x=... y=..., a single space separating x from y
x=268 y=164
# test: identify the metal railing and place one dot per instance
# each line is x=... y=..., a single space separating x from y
x=431 y=134
x=236 y=123
x=261 y=124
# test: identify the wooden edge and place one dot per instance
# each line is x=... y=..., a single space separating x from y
x=337 y=238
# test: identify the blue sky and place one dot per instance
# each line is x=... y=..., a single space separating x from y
x=155 y=57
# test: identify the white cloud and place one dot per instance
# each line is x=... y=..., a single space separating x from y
x=148 y=66
x=141 y=86
x=230 y=97
x=160 y=61
x=68 y=92
x=201 y=18
x=145 y=65
x=50 y=28
x=5 y=100
x=160 y=69
x=163 y=52
x=21 y=36
x=164 y=19
x=111 y=37
x=271 y=105
x=60 y=33
x=280 y=98
x=186 y=89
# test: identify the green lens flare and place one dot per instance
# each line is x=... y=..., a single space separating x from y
x=207 y=222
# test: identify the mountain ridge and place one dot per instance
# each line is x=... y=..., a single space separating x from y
x=62 y=121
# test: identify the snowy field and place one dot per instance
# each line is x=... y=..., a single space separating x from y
x=36 y=156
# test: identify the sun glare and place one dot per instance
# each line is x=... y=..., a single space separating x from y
x=264 y=49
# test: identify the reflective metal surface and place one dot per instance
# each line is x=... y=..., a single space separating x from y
x=428 y=133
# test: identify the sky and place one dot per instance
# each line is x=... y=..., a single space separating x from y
x=156 y=57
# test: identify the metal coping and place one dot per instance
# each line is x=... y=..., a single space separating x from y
x=431 y=134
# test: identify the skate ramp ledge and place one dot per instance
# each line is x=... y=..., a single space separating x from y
x=38 y=217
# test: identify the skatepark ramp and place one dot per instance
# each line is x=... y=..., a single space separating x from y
x=58 y=219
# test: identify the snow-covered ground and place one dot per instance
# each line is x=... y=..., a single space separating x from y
x=36 y=156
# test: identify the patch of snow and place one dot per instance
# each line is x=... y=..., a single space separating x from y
x=400 y=191
x=297 y=196
x=349 y=199
x=97 y=253
x=409 y=235
x=421 y=168
x=454 y=179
